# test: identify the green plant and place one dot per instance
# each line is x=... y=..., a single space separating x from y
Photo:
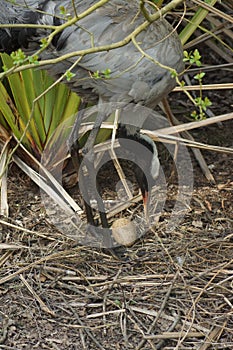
x=31 y=107
x=105 y=74
x=194 y=57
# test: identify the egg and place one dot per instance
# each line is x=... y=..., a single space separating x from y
x=124 y=232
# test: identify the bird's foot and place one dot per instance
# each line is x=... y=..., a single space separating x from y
x=102 y=235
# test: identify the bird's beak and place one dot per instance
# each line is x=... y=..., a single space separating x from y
x=146 y=199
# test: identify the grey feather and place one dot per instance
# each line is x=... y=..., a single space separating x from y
x=134 y=78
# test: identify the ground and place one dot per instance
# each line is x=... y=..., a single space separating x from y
x=168 y=291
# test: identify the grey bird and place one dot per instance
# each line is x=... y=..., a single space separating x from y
x=135 y=77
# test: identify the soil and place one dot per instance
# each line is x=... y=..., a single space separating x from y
x=175 y=288
x=168 y=291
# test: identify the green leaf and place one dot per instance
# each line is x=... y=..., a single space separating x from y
x=69 y=75
x=26 y=89
x=18 y=57
x=199 y=76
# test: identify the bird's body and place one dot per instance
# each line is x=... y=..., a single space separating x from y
x=133 y=78
x=137 y=68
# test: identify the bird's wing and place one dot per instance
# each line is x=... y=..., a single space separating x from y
x=133 y=76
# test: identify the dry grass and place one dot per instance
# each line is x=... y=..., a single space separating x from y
x=168 y=291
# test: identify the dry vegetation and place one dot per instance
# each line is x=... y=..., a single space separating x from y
x=168 y=291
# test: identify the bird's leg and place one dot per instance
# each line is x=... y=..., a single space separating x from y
x=93 y=134
x=86 y=198
x=76 y=160
x=88 y=161
x=97 y=231
x=73 y=137
x=74 y=151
